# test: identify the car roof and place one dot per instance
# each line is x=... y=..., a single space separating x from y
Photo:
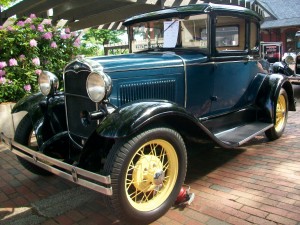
x=190 y=10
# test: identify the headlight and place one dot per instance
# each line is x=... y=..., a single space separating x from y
x=98 y=85
x=289 y=59
x=48 y=82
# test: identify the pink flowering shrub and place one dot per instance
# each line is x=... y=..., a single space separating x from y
x=27 y=47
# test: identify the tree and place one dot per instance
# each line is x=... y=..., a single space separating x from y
x=93 y=41
x=6 y=3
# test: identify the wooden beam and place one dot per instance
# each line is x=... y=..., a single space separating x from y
x=116 y=14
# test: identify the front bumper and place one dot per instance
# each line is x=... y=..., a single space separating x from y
x=72 y=173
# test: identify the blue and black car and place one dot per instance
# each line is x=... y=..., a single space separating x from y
x=123 y=122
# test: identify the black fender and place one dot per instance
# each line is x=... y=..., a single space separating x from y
x=47 y=114
x=134 y=116
x=268 y=95
x=282 y=68
x=30 y=104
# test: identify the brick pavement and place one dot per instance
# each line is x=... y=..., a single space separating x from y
x=256 y=184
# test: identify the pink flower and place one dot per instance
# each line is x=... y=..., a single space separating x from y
x=13 y=62
x=27 y=87
x=10 y=28
x=38 y=72
x=76 y=43
x=48 y=21
x=2 y=73
x=47 y=35
x=40 y=28
x=67 y=30
x=53 y=44
x=2 y=64
x=1 y=27
x=21 y=23
x=22 y=57
x=33 y=43
x=32 y=16
x=36 y=61
x=65 y=36
x=32 y=27
x=28 y=20
x=2 y=80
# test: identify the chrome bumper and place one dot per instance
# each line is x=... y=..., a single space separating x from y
x=79 y=176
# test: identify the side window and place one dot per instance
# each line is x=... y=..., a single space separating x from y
x=227 y=36
x=194 y=32
x=230 y=33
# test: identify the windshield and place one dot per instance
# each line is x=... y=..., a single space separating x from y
x=190 y=32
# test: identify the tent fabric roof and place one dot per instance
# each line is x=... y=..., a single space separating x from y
x=90 y=13
x=109 y=14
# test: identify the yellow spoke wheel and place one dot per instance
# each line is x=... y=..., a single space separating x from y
x=281 y=110
x=151 y=175
x=280 y=116
x=147 y=172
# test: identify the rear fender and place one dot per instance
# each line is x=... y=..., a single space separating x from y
x=268 y=95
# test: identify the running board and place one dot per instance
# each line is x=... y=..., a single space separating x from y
x=241 y=134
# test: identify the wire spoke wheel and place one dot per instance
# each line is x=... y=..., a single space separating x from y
x=147 y=172
x=281 y=114
x=281 y=111
x=151 y=175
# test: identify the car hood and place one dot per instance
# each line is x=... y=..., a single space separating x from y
x=147 y=60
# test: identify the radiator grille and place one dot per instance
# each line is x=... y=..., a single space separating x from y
x=77 y=100
x=163 y=89
x=75 y=105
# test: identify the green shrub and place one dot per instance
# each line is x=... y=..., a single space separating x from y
x=27 y=47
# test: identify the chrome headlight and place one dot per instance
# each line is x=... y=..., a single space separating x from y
x=48 y=82
x=289 y=59
x=98 y=85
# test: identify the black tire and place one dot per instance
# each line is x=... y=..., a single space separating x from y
x=281 y=115
x=23 y=135
x=151 y=166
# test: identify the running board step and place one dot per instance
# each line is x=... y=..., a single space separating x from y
x=239 y=135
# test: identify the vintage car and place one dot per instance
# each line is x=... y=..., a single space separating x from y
x=123 y=122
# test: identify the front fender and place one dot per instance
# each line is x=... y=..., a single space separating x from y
x=30 y=104
x=132 y=116
x=47 y=114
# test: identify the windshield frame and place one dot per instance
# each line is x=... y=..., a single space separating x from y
x=179 y=43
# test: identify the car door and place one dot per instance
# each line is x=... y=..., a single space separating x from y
x=234 y=68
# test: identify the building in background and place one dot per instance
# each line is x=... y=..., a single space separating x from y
x=282 y=21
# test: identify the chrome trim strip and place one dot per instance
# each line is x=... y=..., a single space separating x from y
x=213 y=62
x=185 y=80
x=69 y=172
x=137 y=69
x=255 y=134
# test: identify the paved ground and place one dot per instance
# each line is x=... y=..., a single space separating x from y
x=256 y=184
